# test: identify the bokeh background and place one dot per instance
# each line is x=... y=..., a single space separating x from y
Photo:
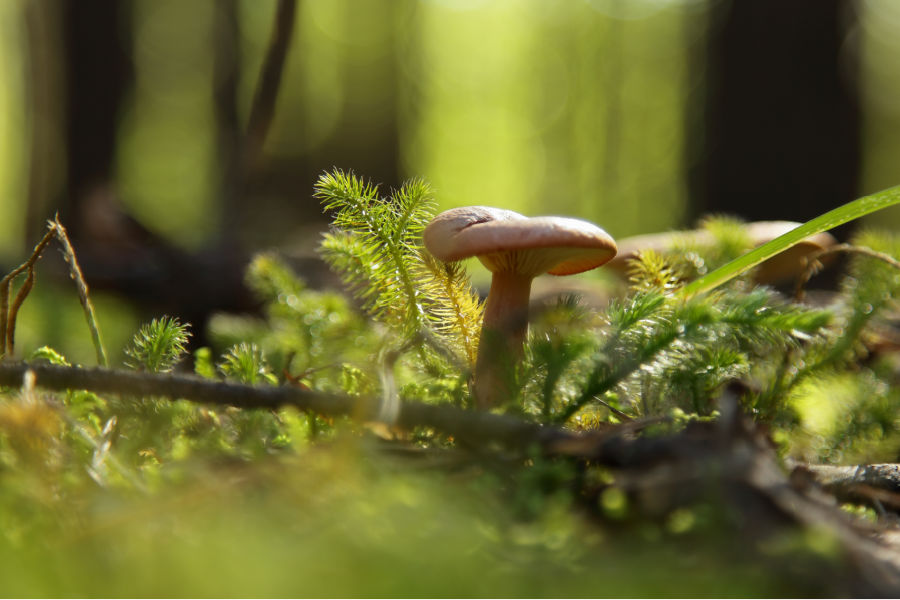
x=130 y=119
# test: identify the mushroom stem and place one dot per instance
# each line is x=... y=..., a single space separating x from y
x=502 y=337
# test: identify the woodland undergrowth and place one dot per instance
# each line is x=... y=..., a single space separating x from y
x=820 y=375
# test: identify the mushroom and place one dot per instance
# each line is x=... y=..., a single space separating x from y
x=515 y=249
x=782 y=266
x=791 y=262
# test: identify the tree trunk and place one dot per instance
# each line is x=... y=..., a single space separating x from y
x=781 y=124
x=98 y=74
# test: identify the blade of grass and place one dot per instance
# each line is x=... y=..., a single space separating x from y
x=843 y=214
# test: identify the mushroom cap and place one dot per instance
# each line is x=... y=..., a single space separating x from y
x=504 y=240
x=780 y=267
x=657 y=242
x=792 y=261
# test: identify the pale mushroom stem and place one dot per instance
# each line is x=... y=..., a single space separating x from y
x=502 y=337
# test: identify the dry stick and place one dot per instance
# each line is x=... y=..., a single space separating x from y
x=475 y=427
x=6 y=325
x=75 y=272
x=813 y=264
x=876 y=485
x=884 y=476
x=607 y=447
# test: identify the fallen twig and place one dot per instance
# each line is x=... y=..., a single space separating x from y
x=473 y=427
x=462 y=424
x=876 y=485
x=885 y=476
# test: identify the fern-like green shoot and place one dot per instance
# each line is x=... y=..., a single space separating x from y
x=376 y=247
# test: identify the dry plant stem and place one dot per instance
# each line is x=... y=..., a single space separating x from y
x=502 y=337
x=813 y=263
x=618 y=413
x=7 y=317
x=87 y=305
x=14 y=311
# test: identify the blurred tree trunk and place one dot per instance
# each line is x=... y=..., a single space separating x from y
x=781 y=123
x=227 y=65
x=94 y=60
x=98 y=74
x=44 y=98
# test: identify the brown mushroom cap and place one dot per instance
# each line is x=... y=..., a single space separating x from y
x=504 y=240
x=657 y=242
x=791 y=262
x=781 y=266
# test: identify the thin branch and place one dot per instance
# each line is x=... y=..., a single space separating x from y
x=240 y=152
x=134 y=383
x=613 y=446
x=474 y=427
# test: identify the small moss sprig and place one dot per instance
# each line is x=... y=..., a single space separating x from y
x=246 y=363
x=158 y=345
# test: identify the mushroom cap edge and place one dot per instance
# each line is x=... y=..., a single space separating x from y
x=556 y=245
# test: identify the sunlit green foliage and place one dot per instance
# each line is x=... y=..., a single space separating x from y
x=377 y=249
x=651 y=352
x=845 y=389
x=869 y=289
x=658 y=352
x=373 y=243
x=308 y=334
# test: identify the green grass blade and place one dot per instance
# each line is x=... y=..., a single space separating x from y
x=843 y=214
